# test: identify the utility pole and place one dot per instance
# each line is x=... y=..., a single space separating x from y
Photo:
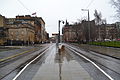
x=88 y=23
x=59 y=30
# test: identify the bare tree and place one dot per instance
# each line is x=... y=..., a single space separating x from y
x=104 y=21
x=116 y=4
x=98 y=22
x=98 y=17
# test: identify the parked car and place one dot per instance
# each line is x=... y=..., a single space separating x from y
x=107 y=40
x=118 y=39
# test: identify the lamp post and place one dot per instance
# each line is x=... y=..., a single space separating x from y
x=88 y=22
x=59 y=30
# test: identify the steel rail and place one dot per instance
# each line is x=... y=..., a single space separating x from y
x=29 y=64
x=78 y=53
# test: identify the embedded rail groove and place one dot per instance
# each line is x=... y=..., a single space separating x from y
x=78 y=53
x=115 y=57
x=29 y=64
x=23 y=64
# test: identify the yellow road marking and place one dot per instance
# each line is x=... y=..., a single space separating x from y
x=15 y=55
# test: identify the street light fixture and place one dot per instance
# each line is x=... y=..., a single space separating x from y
x=88 y=21
x=88 y=13
x=59 y=30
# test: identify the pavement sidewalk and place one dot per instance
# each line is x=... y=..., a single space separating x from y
x=109 y=51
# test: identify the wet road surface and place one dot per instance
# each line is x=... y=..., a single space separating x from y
x=109 y=64
x=55 y=66
x=16 y=50
x=67 y=65
x=9 y=68
x=109 y=51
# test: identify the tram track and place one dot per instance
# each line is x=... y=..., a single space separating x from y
x=105 y=69
x=31 y=61
x=19 y=64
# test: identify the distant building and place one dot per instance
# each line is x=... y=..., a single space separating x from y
x=21 y=34
x=37 y=23
x=3 y=35
x=47 y=37
x=101 y=32
x=2 y=21
x=118 y=29
x=88 y=32
x=23 y=30
x=3 y=30
x=69 y=33
x=79 y=32
x=54 y=38
x=111 y=31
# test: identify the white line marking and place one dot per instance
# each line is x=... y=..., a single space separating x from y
x=93 y=64
x=28 y=65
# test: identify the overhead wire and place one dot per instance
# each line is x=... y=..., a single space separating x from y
x=90 y=3
x=24 y=6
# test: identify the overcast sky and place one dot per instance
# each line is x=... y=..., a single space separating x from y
x=53 y=10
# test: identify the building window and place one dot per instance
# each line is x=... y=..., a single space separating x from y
x=17 y=39
x=22 y=32
x=11 y=33
x=17 y=33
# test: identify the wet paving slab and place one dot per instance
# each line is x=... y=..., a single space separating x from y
x=56 y=66
x=110 y=65
x=109 y=51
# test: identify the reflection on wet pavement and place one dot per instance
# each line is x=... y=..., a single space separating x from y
x=61 y=66
x=115 y=52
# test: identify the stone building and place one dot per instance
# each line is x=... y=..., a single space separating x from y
x=54 y=38
x=23 y=30
x=69 y=33
x=42 y=30
x=79 y=32
x=35 y=24
x=2 y=21
x=100 y=32
x=3 y=30
x=87 y=31
x=111 y=31
x=106 y=32
x=21 y=33
x=3 y=35
x=117 y=24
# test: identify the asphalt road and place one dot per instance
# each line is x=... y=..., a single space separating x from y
x=14 y=60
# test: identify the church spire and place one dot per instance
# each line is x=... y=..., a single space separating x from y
x=67 y=22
